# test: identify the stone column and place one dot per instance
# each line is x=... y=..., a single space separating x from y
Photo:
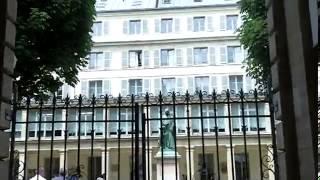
x=61 y=161
x=293 y=55
x=230 y=163
x=150 y=163
x=21 y=166
x=188 y=163
x=105 y=160
x=8 y=13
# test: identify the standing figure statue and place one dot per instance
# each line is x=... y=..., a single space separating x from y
x=167 y=133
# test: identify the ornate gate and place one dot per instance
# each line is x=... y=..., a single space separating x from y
x=201 y=136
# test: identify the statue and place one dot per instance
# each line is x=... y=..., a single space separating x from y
x=167 y=133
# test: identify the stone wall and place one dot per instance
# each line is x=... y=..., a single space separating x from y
x=293 y=60
x=8 y=12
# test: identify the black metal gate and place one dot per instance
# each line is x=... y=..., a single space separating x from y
x=215 y=136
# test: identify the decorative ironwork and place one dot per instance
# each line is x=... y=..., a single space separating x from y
x=206 y=116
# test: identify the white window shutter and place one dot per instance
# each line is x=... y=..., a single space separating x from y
x=124 y=59
x=190 y=85
x=146 y=85
x=210 y=23
x=105 y=27
x=190 y=25
x=222 y=23
x=107 y=60
x=224 y=82
x=176 y=25
x=156 y=86
x=179 y=58
x=212 y=54
x=189 y=56
x=106 y=87
x=157 y=25
x=65 y=91
x=249 y=84
x=146 y=59
x=124 y=88
x=214 y=83
x=84 y=87
x=238 y=55
x=145 y=26
x=179 y=86
x=156 y=58
x=223 y=58
x=239 y=21
x=125 y=27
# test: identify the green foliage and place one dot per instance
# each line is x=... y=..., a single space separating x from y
x=53 y=39
x=254 y=37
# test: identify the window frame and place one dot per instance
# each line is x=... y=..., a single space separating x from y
x=168 y=51
x=201 y=78
x=96 y=61
x=233 y=24
x=135 y=26
x=170 y=79
x=166 y=25
x=237 y=88
x=195 y=56
x=136 y=88
x=235 y=47
x=95 y=28
x=138 y=56
x=95 y=87
x=199 y=23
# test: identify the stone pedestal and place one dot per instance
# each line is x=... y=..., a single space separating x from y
x=169 y=165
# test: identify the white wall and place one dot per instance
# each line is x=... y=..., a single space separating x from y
x=115 y=33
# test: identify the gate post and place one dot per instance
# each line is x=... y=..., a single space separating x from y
x=136 y=118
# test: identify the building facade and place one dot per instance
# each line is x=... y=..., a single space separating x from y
x=153 y=46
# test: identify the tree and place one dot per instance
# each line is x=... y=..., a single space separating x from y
x=254 y=37
x=53 y=39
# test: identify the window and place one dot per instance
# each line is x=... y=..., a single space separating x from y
x=233 y=54
x=200 y=55
x=135 y=59
x=236 y=83
x=232 y=22
x=167 y=57
x=166 y=25
x=134 y=27
x=242 y=172
x=95 y=88
x=166 y=1
x=96 y=60
x=46 y=125
x=168 y=85
x=250 y=122
x=97 y=29
x=135 y=86
x=85 y=127
x=59 y=93
x=208 y=169
x=198 y=24
x=202 y=83
x=125 y=127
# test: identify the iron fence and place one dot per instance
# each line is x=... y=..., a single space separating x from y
x=145 y=137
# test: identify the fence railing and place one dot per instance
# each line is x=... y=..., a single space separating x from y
x=209 y=136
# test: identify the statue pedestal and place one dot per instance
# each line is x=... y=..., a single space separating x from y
x=169 y=165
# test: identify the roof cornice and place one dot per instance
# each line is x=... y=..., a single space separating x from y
x=229 y=5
